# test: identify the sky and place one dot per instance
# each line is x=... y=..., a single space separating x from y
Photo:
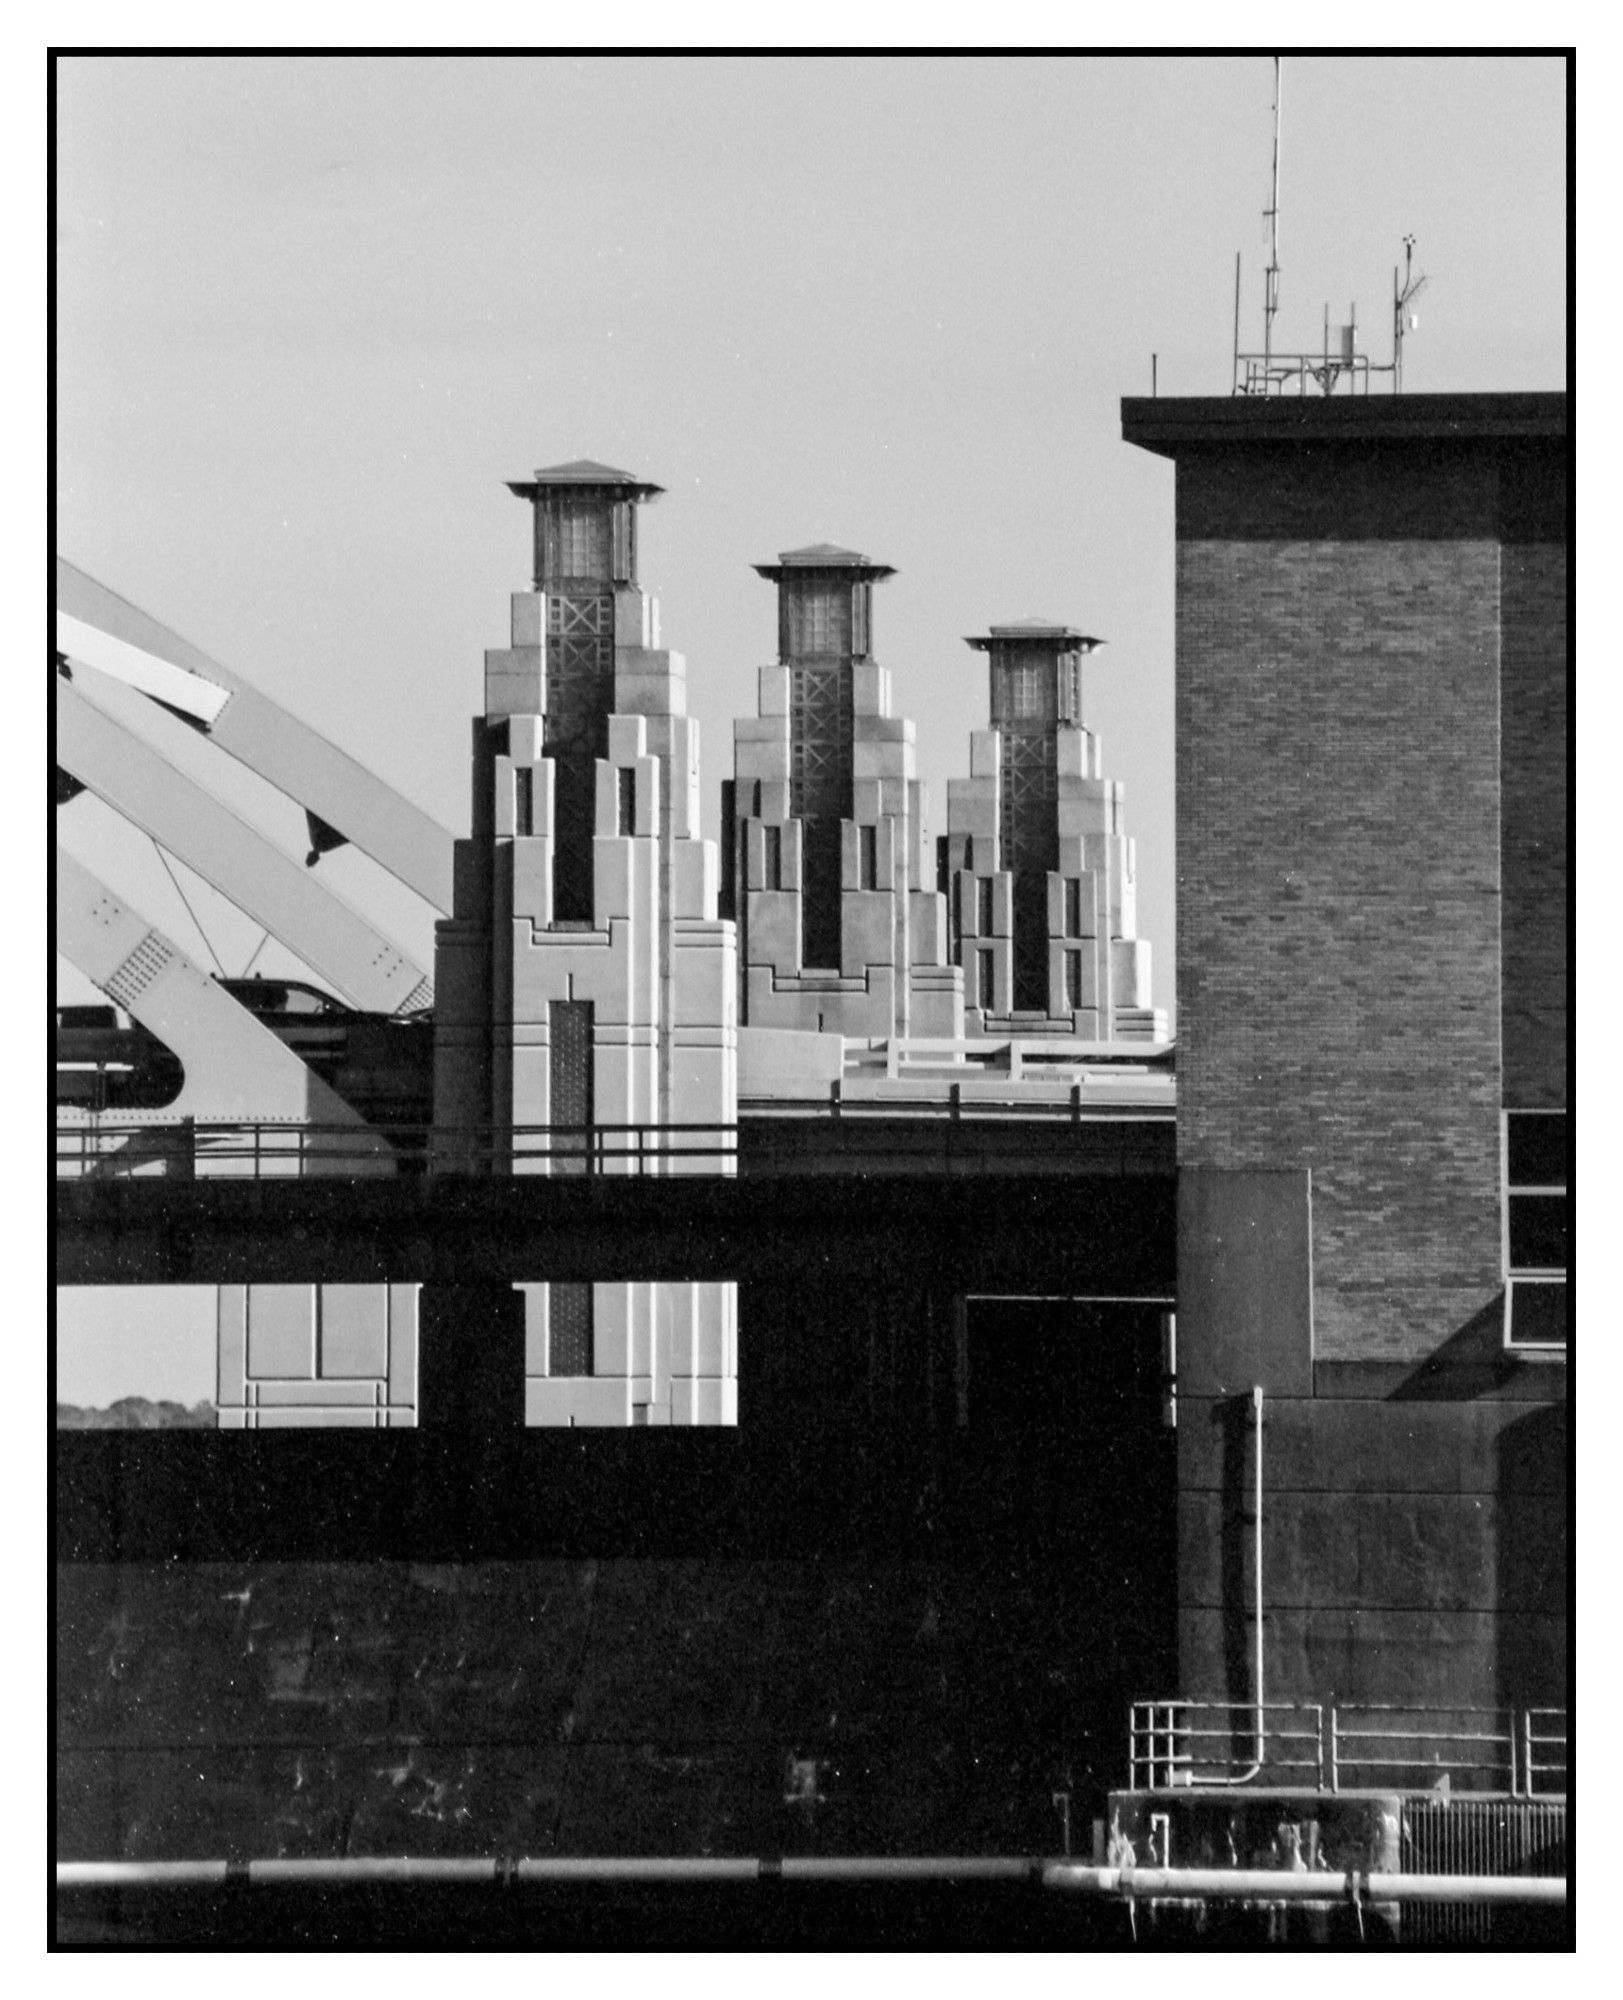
x=312 y=313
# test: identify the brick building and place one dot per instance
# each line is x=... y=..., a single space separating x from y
x=1372 y=660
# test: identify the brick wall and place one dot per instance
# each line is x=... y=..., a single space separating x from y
x=1533 y=736
x=1338 y=867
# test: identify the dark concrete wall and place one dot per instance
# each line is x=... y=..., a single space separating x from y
x=1245 y=1290
x=934 y=1562
x=1413 y=1551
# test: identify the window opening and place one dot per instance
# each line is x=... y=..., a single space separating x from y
x=1537 y=1230
x=984 y=984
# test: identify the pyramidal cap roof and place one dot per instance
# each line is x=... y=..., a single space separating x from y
x=824 y=555
x=1067 y=636
x=584 y=472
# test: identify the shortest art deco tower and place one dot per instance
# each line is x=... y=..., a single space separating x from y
x=585 y=981
x=1041 y=877
x=822 y=827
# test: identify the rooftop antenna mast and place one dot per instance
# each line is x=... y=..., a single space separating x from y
x=1403 y=320
x=1270 y=304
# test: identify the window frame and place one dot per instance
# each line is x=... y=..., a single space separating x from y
x=1529 y=1276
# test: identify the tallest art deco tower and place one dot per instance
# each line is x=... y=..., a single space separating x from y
x=584 y=981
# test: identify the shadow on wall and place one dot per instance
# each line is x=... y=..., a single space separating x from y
x=1531 y=1545
x=1471 y=1363
x=1232 y=1417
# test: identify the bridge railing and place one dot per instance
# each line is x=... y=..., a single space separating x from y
x=1366 y=1746
x=870 y=1135
x=192 y=1149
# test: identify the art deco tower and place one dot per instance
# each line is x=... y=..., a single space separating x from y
x=1042 y=877
x=823 y=823
x=584 y=979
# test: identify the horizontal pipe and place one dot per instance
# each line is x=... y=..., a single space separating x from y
x=141 y=1874
x=637 y=1868
x=1300 y=1886
x=1071 y=1877
x=376 y=1868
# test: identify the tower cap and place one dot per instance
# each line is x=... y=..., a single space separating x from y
x=1064 y=638
x=827 y=557
x=584 y=472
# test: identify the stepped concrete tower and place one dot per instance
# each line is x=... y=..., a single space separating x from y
x=1042 y=877
x=823 y=826
x=585 y=982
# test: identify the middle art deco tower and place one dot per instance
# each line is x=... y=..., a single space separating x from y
x=822 y=826
x=585 y=983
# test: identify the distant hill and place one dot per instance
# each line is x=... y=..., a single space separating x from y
x=136 y=1413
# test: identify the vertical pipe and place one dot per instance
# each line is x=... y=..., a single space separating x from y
x=1245 y=1777
x=1236 y=319
x=1256 y=1408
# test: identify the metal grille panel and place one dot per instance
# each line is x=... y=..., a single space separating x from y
x=1476 y=1837
x=138 y=971
x=820 y=795
x=1028 y=831
x=580 y=694
x=570 y=1029
x=569 y=1327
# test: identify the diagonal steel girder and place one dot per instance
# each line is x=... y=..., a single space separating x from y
x=235 y=1067
x=97 y=627
x=98 y=748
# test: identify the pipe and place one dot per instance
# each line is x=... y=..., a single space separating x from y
x=1256 y=1418
x=1245 y=1777
x=1070 y=1877
x=1300 y=1886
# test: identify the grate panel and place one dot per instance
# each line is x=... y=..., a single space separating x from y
x=1476 y=1837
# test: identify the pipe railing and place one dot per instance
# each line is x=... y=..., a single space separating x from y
x=1250 y=1885
x=187 y=1149
x=262 y=1150
x=1176 y=1744
x=1395 y=1746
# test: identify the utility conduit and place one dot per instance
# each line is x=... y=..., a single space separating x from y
x=1069 y=1877
x=1245 y=1777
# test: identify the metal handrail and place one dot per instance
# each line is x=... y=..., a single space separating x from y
x=1171 y=1744
x=265 y=1148
x=1165 y=1737
x=273 y=1147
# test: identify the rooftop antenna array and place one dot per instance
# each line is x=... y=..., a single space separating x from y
x=1270 y=300
x=1403 y=319
x=1271 y=374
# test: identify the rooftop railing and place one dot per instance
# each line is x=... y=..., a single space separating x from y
x=189 y=1149
x=1519 y=1753
x=950 y=1129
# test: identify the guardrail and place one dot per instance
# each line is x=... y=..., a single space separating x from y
x=877 y=1096
x=949 y=1131
x=194 y=1148
x=1178 y=1744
